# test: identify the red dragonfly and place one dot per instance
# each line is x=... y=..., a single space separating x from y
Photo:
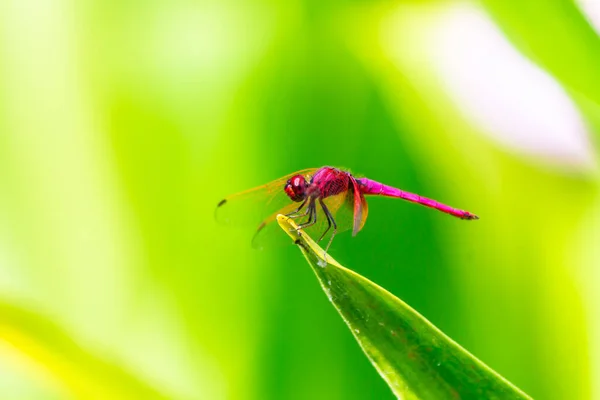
x=326 y=196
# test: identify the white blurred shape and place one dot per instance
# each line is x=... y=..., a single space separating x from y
x=508 y=97
x=206 y=47
x=194 y=40
x=591 y=10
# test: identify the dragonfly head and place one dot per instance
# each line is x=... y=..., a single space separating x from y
x=295 y=188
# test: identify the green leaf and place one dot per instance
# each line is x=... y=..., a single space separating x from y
x=84 y=374
x=415 y=358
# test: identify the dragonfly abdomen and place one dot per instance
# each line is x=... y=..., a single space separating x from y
x=368 y=186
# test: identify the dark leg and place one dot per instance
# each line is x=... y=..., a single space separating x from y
x=330 y=217
x=296 y=211
x=312 y=218
x=327 y=214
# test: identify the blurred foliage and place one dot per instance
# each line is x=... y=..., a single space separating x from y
x=124 y=123
x=85 y=375
x=571 y=53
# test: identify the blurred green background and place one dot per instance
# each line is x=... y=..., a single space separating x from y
x=122 y=124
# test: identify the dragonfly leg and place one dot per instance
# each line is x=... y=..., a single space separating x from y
x=296 y=211
x=328 y=220
x=312 y=218
x=332 y=221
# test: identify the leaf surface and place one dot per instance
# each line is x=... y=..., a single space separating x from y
x=416 y=359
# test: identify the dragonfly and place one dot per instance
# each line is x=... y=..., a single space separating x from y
x=323 y=200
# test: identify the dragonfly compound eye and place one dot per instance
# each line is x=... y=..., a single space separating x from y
x=296 y=188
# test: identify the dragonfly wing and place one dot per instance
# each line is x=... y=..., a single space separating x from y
x=339 y=206
x=361 y=210
x=363 y=214
x=265 y=229
x=254 y=205
x=259 y=206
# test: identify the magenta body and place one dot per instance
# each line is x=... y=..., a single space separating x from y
x=308 y=189
x=371 y=187
x=329 y=181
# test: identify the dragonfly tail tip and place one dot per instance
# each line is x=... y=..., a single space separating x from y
x=222 y=202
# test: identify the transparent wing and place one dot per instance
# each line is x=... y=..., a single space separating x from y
x=364 y=213
x=341 y=209
x=361 y=210
x=269 y=233
x=259 y=206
